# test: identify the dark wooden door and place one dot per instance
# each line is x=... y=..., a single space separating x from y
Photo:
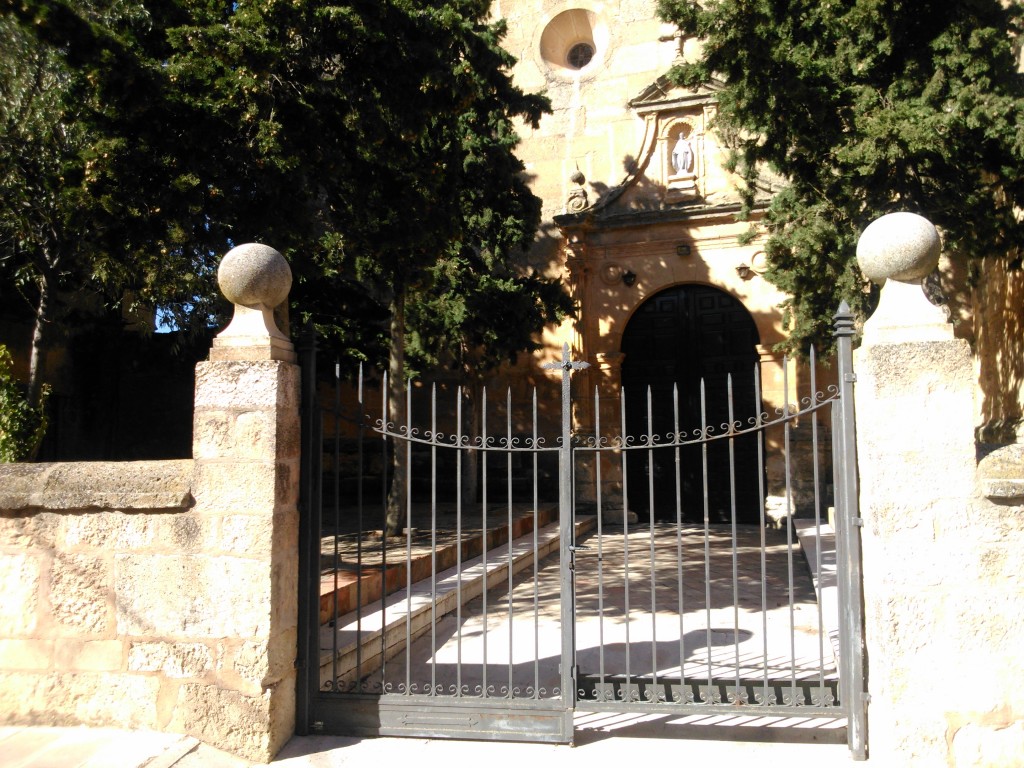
x=680 y=337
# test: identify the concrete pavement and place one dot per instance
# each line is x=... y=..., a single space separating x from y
x=602 y=739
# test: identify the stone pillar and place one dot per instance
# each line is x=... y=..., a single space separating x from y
x=936 y=645
x=246 y=453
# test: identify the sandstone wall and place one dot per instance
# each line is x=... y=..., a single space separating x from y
x=942 y=534
x=986 y=301
x=161 y=595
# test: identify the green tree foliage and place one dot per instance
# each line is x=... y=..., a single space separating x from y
x=865 y=108
x=89 y=188
x=370 y=141
x=22 y=424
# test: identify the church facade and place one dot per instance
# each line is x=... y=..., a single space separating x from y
x=640 y=219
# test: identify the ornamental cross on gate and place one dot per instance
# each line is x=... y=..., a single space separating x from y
x=568 y=365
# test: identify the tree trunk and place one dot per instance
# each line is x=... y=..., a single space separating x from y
x=37 y=354
x=397 y=494
x=471 y=426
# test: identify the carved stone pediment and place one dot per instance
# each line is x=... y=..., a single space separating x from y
x=677 y=130
x=678 y=162
x=662 y=95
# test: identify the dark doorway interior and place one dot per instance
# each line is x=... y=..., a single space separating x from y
x=682 y=336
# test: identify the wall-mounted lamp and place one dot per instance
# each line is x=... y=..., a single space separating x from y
x=745 y=272
x=683 y=249
x=628 y=278
x=759 y=262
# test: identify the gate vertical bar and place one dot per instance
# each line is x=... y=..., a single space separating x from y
x=624 y=462
x=851 y=620
x=787 y=428
x=817 y=525
x=458 y=541
x=407 y=447
x=510 y=443
x=433 y=536
x=651 y=550
x=677 y=438
x=600 y=546
x=709 y=696
x=536 y=555
x=360 y=464
x=486 y=532
x=738 y=695
x=767 y=696
x=336 y=521
x=565 y=528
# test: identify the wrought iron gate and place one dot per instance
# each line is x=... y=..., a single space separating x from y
x=504 y=604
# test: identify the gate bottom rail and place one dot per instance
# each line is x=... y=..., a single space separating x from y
x=811 y=698
x=545 y=720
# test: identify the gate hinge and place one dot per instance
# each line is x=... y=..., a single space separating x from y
x=858 y=521
x=850 y=377
x=317 y=725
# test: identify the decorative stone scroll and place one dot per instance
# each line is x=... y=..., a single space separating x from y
x=577 y=201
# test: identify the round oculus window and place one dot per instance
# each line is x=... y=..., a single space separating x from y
x=579 y=55
x=573 y=40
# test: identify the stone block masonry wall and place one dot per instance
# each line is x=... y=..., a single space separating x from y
x=162 y=595
x=246 y=450
x=942 y=537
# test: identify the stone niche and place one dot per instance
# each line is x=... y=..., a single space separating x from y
x=681 y=152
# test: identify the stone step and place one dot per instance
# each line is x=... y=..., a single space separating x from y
x=349 y=586
x=362 y=631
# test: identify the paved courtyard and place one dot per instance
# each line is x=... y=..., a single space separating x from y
x=706 y=610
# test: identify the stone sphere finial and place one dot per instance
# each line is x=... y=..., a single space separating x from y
x=254 y=275
x=899 y=246
x=256 y=279
x=900 y=250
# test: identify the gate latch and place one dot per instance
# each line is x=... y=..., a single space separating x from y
x=573 y=549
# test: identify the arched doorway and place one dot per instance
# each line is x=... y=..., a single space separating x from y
x=681 y=336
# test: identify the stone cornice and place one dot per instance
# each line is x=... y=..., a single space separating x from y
x=111 y=485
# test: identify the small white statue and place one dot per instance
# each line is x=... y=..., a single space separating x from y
x=682 y=156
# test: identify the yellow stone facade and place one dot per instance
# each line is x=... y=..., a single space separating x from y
x=615 y=121
x=636 y=196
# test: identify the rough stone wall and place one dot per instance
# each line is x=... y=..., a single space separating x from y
x=944 y=595
x=162 y=594
x=986 y=300
x=942 y=534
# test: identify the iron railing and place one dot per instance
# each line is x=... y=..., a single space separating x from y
x=498 y=612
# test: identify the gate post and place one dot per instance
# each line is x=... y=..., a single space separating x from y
x=851 y=637
x=310 y=491
x=567 y=532
x=938 y=646
x=246 y=463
